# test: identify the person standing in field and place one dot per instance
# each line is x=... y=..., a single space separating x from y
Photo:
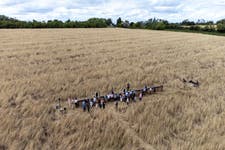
x=59 y=100
x=76 y=102
x=91 y=103
x=69 y=102
x=128 y=86
x=140 y=96
x=94 y=101
x=128 y=100
x=112 y=91
x=121 y=97
x=124 y=91
x=127 y=94
x=116 y=104
x=151 y=90
x=58 y=104
x=102 y=104
x=145 y=89
x=133 y=96
x=84 y=105
x=73 y=103
x=88 y=105
x=96 y=94
x=99 y=103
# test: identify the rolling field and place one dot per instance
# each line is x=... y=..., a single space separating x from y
x=39 y=66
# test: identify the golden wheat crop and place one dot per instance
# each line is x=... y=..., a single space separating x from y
x=38 y=66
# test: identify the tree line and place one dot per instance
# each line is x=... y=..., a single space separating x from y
x=160 y=24
x=7 y=22
x=153 y=23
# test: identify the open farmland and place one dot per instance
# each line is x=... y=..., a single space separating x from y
x=38 y=66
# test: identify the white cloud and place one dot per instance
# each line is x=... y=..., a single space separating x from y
x=172 y=10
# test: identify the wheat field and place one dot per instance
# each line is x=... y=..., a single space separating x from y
x=39 y=66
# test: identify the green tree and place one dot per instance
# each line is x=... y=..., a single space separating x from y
x=187 y=22
x=109 y=22
x=119 y=22
x=96 y=23
x=139 y=25
x=160 y=26
x=222 y=21
x=221 y=27
x=68 y=24
x=132 y=25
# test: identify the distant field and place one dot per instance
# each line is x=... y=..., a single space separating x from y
x=201 y=26
x=38 y=66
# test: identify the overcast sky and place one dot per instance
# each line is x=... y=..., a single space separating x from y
x=133 y=10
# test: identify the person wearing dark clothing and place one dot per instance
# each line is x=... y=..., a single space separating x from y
x=134 y=96
x=124 y=91
x=195 y=84
x=76 y=103
x=103 y=105
x=96 y=94
x=116 y=104
x=99 y=104
x=153 y=89
x=128 y=86
x=59 y=100
x=146 y=88
x=112 y=92
x=88 y=105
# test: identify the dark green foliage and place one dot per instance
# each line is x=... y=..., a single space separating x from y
x=6 y=22
x=137 y=25
x=187 y=22
x=174 y=26
x=96 y=23
x=52 y=24
x=109 y=22
x=203 y=22
x=132 y=25
x=222 y=21
x=5 y=18
x=160 y=26
x=221 y=27
x=119 y=22
x=195 y=27
x=156 y=24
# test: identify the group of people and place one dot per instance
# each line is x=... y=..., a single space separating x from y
x=127 y=95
